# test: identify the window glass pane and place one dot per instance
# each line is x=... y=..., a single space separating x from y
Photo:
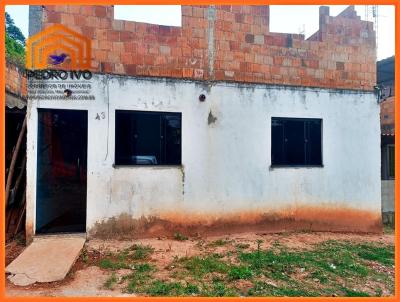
x=277 y=141
x=123 y=139
x=294 y=142
x=171 y=139
x=147 y=138
x=314 y=154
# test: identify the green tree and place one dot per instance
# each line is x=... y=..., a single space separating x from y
x=15 y=42
x=13 y=31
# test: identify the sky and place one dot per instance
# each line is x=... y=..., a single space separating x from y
x=303 y=19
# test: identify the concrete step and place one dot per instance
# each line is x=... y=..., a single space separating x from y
x=48 y=258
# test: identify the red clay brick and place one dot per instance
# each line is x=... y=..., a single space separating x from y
x=176 y=72
x=100 y=11
x=54 y=17
x=113 y=35
x=244 y=49
x=87 y=10
x=187 y=72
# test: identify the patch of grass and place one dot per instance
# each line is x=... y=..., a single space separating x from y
x=240 y=272
x=139 y=279
x=218 y=289
x=111 y=281
x=113 y=265
x=276 y=262
x=262 y=289
x=139 y=251
x=319 y=271
x=326 y=262
x=163 y=288
x=199 y=266
x=126 y=258
x=381 y=254
x=191 y=289
x=354 y=293
x=143 y=267
x=180 y=237
x=320 y=276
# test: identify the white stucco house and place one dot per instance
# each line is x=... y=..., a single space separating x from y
x=148 y=155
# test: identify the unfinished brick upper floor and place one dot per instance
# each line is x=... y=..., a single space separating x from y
x=229 y=43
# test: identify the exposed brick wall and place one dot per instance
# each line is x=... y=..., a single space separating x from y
x=15 y=80
x=340 y=55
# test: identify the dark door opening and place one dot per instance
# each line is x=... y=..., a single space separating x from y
x=61 y=171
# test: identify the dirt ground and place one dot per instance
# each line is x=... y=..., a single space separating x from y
x=87 y=278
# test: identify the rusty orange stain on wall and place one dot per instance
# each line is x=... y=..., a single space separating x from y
x=306 y=218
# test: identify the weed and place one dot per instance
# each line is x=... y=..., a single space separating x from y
x=378 y=292
x=180 y=237
x=218 y=289
x=217 y=255
x=242 y=246
x=85 y=257
x=219 y=242
x=354 y=293
x=198 y=266
x=162 y=288
x=111 y=281
x=113 y=265
x=141 y=276
x=143 y=268
x=240 y=272
x=381 y=254
x=139 y=251
x=264 y=289
x=320 y=276
x=191 y=289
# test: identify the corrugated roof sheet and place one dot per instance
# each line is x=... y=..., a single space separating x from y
x=13 y=101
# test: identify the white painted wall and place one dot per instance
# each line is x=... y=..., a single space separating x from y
x=225 y=165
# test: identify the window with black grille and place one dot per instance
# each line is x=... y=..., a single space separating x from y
x=147 y=138
x=296 y=141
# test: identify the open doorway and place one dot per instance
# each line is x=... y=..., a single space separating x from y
x=61 y=171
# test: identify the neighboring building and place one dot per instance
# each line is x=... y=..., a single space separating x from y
x=15 y=103
x=215 y=126
x=15 y=154
x=385 y=80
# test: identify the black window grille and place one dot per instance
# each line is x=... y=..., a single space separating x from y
x=147 y=138
x=296 y=141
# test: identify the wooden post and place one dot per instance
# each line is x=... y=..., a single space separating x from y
x=15 y=189
x=19 y=178
x=20 y=216
x=13 y=160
